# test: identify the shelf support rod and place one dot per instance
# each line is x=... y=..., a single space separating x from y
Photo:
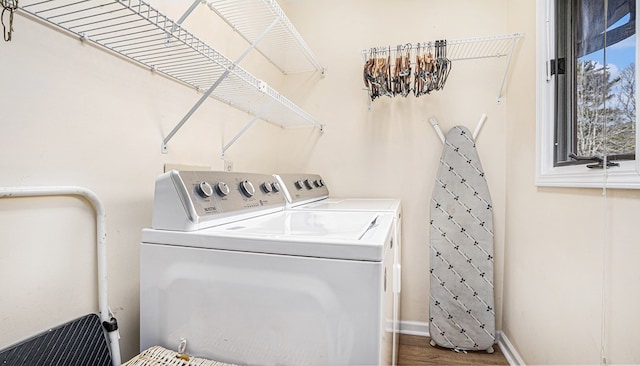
x=506 y=69
x=189 y=11
x=182 y=19
x=214 y=86
x=256 y=117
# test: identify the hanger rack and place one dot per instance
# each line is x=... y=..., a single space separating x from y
x=139 y=32
x=496 y=46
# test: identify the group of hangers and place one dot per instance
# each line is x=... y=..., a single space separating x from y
x=377 y=73
x=432 y=68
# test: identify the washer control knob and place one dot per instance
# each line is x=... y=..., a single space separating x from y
x=307 y=183
x=266 y=187
x=275 y=186
x=321 y=183
x=317 y=183
x=299 y=184
x=247 y=188
x=222 y=189
x=204 y=189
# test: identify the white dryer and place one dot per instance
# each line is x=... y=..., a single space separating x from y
x=310 y=192
x=227 y=269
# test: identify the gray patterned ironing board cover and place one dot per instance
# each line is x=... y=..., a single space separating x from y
x=461 y=304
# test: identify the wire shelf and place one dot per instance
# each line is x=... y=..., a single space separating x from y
x=454 y=50
x=283 y=46
x=462 y=49
x=482 y=47
x=136 y=30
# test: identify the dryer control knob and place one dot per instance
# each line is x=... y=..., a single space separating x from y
x=299 y=184
x=266 y=187
x=275 y=186
x=222 y=189
x=317 y=183
x=307 y=183
x=247 y=188
x=204 y=189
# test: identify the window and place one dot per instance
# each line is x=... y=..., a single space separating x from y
x=586 y=93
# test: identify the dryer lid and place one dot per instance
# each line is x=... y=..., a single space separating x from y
x=355 y=204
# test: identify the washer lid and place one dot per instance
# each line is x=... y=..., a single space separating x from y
x=354 y=204
x=338 y=235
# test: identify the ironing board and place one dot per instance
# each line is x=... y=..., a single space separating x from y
x=461 y=306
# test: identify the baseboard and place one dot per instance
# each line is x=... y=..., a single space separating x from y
x=414 y=328
x=422 y=329
x=509 y=351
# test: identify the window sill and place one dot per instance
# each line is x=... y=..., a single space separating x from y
x=626 y=176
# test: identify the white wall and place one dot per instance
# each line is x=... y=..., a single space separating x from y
x=73 y=114
x=558 y=244
x=391 y=150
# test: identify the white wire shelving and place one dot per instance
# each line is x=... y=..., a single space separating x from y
x=137 y=31
x=496 y=46
x=283 y=46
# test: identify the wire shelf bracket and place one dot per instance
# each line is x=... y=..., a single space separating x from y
x=211 y=89
x=244 y=129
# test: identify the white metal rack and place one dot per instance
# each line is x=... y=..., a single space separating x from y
x=497 y=46
x=283 y=46
x=136 y=30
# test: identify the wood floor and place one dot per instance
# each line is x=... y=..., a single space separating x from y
x=416 y=351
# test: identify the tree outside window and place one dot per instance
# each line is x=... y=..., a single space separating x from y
x=596 y=99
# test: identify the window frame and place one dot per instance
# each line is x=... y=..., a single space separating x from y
x=626 y=176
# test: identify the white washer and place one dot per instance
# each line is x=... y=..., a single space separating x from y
x=310 y=192
x=244 y=281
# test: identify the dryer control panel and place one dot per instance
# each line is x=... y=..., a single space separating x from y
x=193 y=200
x=302 y=188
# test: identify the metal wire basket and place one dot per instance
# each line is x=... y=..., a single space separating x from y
x=159 y=356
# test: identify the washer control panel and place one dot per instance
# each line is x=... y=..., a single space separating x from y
x=302 y=188
x=193 y=200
